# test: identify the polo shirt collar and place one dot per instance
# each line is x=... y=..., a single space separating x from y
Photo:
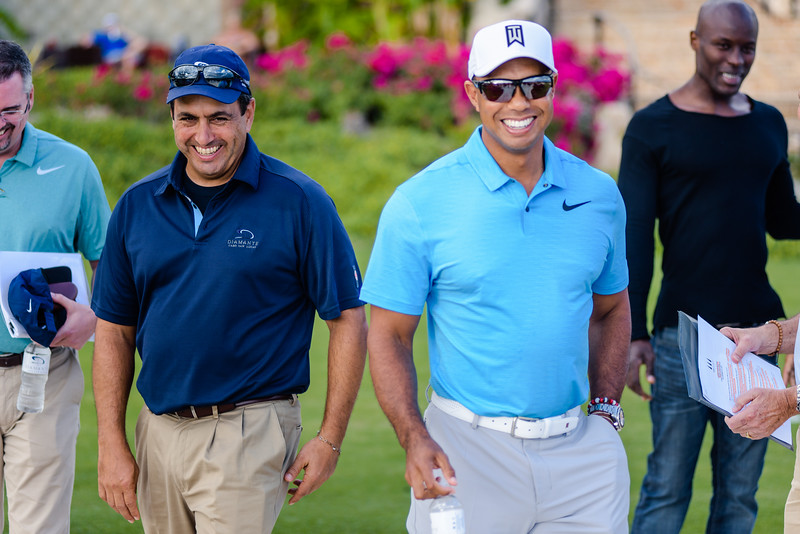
x=247 y=172
x=28 y=148
x=493 y=176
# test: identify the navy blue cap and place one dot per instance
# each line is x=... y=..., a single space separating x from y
x=211 y=54
x=30 y=301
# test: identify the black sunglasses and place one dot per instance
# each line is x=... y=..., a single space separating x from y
x=215 y=75
x=500 y=90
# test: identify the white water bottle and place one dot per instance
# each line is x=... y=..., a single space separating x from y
x=447 y=514
x=35 y=366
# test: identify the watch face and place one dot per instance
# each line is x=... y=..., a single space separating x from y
x=613 y=410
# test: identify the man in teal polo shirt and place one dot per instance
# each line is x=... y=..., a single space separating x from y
x=51 y=200
x=518 y=250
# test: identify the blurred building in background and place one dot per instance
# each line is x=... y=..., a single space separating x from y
x=653 y=35
x=171 y=23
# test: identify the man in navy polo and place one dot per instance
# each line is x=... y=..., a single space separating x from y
x=214 y=268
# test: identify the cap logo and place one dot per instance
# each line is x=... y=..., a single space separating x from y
x=200 y=64
x=514 y=34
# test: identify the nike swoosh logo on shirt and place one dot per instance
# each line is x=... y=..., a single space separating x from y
x=41 y=172
x=567 y=207
x=30 y=305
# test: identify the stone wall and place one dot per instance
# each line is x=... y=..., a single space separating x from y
x=168 y=23
x=653 y=37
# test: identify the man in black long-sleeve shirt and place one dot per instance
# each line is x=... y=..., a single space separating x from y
x=710 y=164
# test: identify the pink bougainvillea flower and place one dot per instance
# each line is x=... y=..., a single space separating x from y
x=563 y=52
x=568 y=110
x=270 y=62
x=123 y=77
x=609 y=85
x=435 y=54
x=383 y=60
x=296 y=54
x=380 y=82
x=101 y=71
x=423 y=83
x=143 y=92
x=337 y=41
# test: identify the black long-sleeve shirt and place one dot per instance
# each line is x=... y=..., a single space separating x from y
x=716 y=185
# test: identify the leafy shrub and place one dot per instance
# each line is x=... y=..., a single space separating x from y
x=416 y=84
x=359 y=172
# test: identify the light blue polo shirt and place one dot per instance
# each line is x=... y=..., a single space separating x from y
x=51 y=200
x=508 y=278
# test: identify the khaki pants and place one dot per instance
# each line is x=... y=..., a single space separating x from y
x=791 y=514
x=219 y=474
x=38 y=450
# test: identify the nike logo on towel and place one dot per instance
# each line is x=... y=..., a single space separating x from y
x=41 y=172
x=567 y=207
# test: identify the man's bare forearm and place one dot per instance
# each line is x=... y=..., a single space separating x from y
x=112 y=377
x=609 y=339
x=347 y=352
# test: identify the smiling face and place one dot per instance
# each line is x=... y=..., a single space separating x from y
x=13 y=98
x=212 y=136
x=515 y=127
x=725 y=47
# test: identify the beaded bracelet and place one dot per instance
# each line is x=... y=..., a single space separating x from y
x=603 y=400
x=337 y=450
x=780 y=336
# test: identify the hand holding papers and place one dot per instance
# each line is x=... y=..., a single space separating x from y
x=713 y=377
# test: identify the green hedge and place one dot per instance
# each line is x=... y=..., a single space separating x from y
x=358 y=171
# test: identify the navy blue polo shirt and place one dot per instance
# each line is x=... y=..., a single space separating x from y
x=223 y=302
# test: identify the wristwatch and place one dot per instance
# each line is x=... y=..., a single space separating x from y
x=609 y=407
x=797 y=395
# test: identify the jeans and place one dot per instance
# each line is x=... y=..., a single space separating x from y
x=679 y=423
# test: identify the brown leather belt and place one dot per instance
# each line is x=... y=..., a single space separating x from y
x=10 y=360
x=196 y=412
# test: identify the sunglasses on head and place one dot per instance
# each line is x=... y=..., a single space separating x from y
x=215 y=75
x=500 y=90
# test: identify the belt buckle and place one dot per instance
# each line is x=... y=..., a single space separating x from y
x=525 y=419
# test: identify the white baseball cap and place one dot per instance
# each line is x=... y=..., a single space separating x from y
x=507 y=40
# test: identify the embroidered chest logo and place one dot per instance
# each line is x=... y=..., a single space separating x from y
x=514 y=34
x=41 y=172
x=243 y=238
x=570 y=207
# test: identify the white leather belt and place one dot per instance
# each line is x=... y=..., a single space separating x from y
x=518 y=427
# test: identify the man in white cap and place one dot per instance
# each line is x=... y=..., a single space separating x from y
x=518 y=250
